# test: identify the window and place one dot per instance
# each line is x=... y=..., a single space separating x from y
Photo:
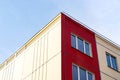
x=75 y=72
x=90 y=76
x=73 y=41
x=111 y=61
x=87 y=48
x=80 y=45
x=81 y=74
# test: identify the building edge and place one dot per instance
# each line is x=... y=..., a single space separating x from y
x=34 y=37
x=96 y=33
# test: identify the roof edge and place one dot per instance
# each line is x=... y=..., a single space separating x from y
x=96 y=33
x=41 y=30
x=26 y=44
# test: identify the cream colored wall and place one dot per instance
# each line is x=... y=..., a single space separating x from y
x=41 y=60
x=103 y=47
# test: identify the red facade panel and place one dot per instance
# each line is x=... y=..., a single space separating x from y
x=71 y=55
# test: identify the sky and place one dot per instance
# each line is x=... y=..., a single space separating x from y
x=21 y=19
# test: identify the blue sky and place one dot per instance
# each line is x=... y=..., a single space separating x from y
x=21 y=19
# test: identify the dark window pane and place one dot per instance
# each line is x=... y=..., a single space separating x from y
x=74 y=73
x=80 y=45
x=73 y=41
x=90 y=76
x=114 y=64
x=87 y=48
x=108 y=60
x=82 y=74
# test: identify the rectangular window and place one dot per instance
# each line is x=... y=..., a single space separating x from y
x=75 y=72
x=108 y=60
x=87 y=48
x=73 y=41
x=81 y=45
x=114 y=64
x=111 y=61
x=80 y=73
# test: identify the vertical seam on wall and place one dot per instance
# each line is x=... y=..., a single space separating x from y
x=23 y=65
x=43 y=59
x=40 y=57
x=46 y=56
x=33 y=62
x=43 y=66
x=13 y=70
x=3 y=74
x=7 y=71
x=37 y=59
x=35 y=71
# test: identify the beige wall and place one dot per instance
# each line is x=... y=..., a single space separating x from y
x=104 y=46
x=41 y=58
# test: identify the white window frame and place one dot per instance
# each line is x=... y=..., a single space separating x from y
x=78 y=68
x=84 y=51
x=89 y=48
x=111 y=61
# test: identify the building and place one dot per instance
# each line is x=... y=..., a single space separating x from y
x=64 y=49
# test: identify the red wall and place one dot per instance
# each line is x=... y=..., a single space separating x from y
x=71 y=55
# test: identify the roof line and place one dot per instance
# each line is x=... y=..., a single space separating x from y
x=27 y=43
x=97 y=33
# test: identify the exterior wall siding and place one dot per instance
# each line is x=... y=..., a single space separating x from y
x=102 y=47
x=37 y=61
